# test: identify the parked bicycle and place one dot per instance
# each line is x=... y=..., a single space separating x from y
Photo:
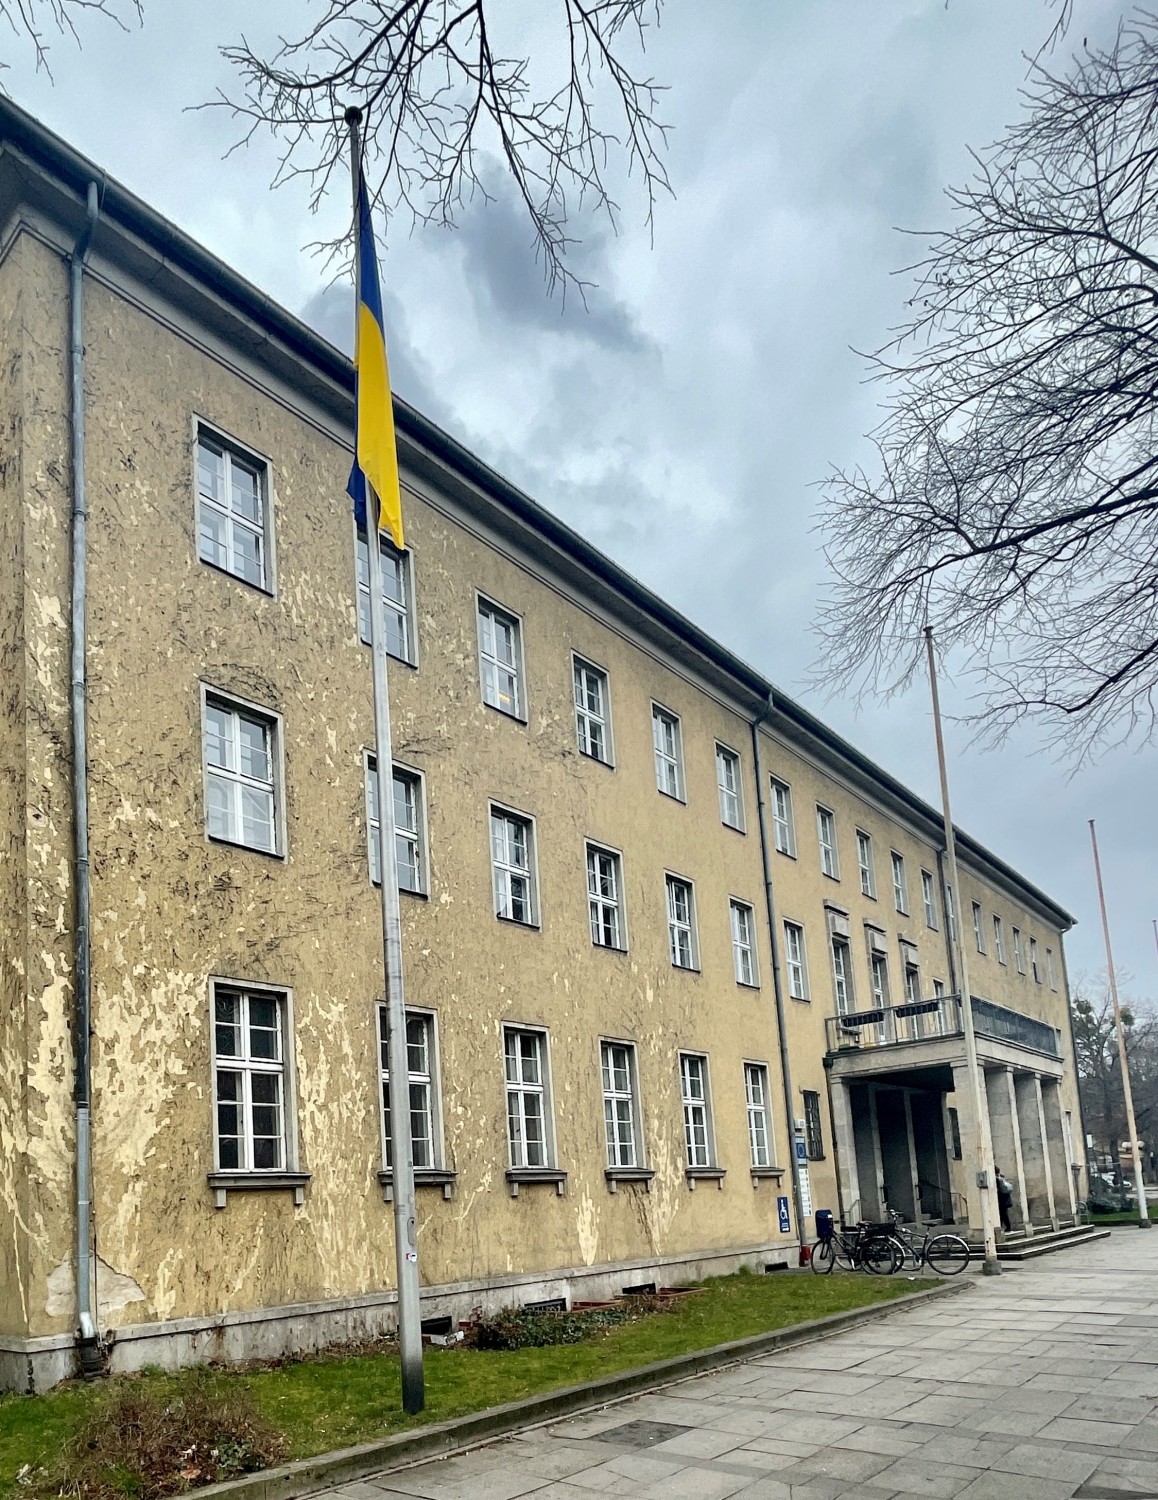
x=869 y=1247
x=947 y=1254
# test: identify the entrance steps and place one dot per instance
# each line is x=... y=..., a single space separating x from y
x=1019 y=1247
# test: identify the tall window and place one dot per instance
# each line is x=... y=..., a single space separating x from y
x=978 y=928
x=500 y=659
x=397 y=598
x=864 y=859
x=512 y=856
x=620 y=1114
x=697 y=1122
x=998 y=940
x=783 y=831
x=420 y=1077
x=592 y=726
x=794 y=958
x=756 y=1094
x=900 y=890
x=605 y=898
x=408 y=832
x=526 y=1068
x=912 y=984
x=826 y=832
x=1050 y=972
x=813 y=1132
x=249 y=1066
x=665 y=735
x=231 y=511
x=879 y=968
x=728 y=783
x=240 y=775
x=842 y=977
x=681 y=924
x=1018 y=951
x=744 y=943
x=929 y=898
x=1034 y=966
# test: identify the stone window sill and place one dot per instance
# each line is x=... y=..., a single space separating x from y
x=616 y=1175
x=761 y=1174
x=705 y=1174
x=224 y=1183
x=518 y=1177
x=423 y=1177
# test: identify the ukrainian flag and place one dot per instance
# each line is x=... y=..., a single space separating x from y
x=376 y=456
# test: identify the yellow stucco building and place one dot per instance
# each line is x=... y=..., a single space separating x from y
x=676 y=956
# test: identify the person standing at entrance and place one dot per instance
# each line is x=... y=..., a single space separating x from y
x=1004 y=1198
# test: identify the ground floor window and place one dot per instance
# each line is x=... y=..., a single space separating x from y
x=249 y=1031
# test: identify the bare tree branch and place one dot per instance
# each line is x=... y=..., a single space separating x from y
x=33 y=20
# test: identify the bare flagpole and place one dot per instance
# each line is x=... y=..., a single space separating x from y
x=401 y=1145
x=983 y=1143
x=1135 y=1144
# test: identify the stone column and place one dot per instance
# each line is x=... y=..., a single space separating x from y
x=967 y=1124
x=1065 y=1206
x=1036 y=1166
x=844 y=1141
x=1005 y=1128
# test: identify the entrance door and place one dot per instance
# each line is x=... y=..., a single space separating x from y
x=893 y=1128
x=933 y=1186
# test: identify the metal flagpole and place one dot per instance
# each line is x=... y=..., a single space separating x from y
x=1135 y=1144
x=402 y=1149
x=984 y=1143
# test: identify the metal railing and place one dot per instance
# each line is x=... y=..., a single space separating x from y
x=940 y=1016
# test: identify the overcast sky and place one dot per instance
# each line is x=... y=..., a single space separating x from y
x=683 y=419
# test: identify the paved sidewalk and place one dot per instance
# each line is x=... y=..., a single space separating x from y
x=1038 y=1385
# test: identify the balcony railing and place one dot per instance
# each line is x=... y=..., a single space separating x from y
x=941 y=1016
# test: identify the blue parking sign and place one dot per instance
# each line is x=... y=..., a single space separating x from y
x=782 y=1210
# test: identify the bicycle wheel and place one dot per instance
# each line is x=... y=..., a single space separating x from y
x=842 y=1254
x=881 y=1257
x=948 y=1254
x=822 y=1257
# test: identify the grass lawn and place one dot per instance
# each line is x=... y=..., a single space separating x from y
x=329 y=1403
x=1129 y=1216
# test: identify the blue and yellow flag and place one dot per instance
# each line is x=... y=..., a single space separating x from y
x=375 y=453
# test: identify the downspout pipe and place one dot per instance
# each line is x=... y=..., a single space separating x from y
x=777 y=977
x=87 y=1347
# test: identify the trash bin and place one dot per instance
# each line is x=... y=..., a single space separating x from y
x=823 y=1223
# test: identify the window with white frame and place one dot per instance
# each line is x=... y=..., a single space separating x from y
x=784 y=833
x=929 y=898
x=397 y=597
x=232 y=511
x=1018 y=951
x=620 y=1103
x=605 y=897
x=409 y=833
x=240 y=746
x=728 y=783
x=592 y=714
x=998 y=939
x=697 y=1109
x=842 y=977
x=826 y=833
x=249 y=1047
x=528 y=1106
x=1034 y=966
x=879 y=969
x=500 y=659
x=900 y=889
x=813 y=1129
x=1050 y=972
x=422 y=1084
x=756 y=1096
x=795 y=960
x=978 y=927
x=864 y=860
x=938 y=989
x=681 y=922
x=744 y=943
x=665 y=735
x=512 y=859
x=912 y=984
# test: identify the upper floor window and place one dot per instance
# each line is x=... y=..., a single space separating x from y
x=879 y=969
x=232 y=510
x=697 y=1109
x=978 y=929
x=912 y=984
x=784 y=832
x=756 y=1096
x=1034 y=966
x=744 y=943
x=728 y=783
x=1018 y=951
x=512 y=860
x=842 y=977
x=900 y=889
x=528 y=1104
x=592 y=713
x=669 y=767
x=500 y=650
x=813 y=1130
x=605 y=897
x=241 y=774
x=249 y=1047
x=620 y=1103
x=1050 y=972
x=409 y=840
x=422 y=1080
x=826 y=833
x=397 y=597
x=929 y=897
x=864 y=859
x=795 y=960
x=998 y=939
x=681 y=922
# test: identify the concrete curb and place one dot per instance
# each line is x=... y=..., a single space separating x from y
x=440 y=1438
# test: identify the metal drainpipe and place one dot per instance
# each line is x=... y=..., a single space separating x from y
x=87 y=1348
x=777 y=980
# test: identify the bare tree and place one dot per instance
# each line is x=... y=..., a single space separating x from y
x=36 y=20
x=444 y=98
x=1014 y=505
x=1099 y=1073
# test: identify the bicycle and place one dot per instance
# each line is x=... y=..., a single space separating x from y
x=868 y=1247
x=947 y=1254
